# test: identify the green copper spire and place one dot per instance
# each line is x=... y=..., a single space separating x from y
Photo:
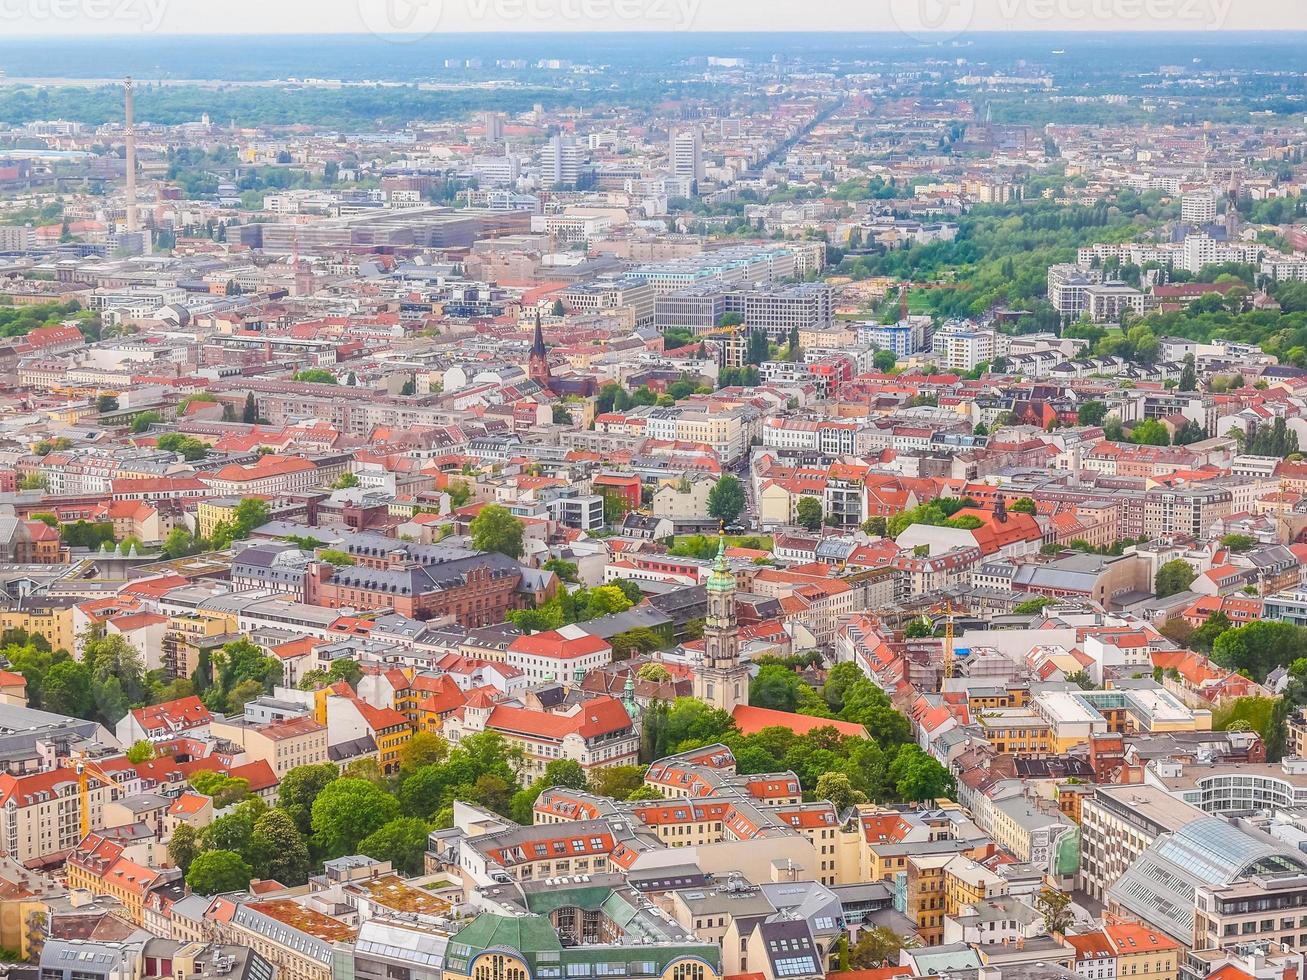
x=721 y=579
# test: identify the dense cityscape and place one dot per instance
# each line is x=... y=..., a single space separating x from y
x=782 y=507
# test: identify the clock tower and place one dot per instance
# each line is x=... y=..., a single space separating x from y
x=720 y=679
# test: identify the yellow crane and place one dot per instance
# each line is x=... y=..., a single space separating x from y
x=947 y=609
x=86 y=768
x=948 y=641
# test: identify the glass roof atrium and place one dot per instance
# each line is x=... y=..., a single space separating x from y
x=1159 y=886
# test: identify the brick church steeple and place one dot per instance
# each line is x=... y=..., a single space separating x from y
x=538 y=366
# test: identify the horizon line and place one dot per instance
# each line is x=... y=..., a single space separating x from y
x=945 y=37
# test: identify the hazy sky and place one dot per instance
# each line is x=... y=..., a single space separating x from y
x=938 y=18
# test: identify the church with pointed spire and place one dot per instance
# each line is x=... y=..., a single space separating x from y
x=720 y=679
x=538 y=366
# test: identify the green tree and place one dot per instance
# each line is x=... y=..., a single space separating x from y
x=808 y=513
x=183 y=846
x=565 y=772
x=402 y=842
x=179 y=543
x=67 y=690
x=604 y=600
x=139 y=752
x=242 y=693
x=279 y=850
x=1204 y=637
x=348 y=810
x=1150 y=432
x=565 y=570
x=636 y=641
x=775 y=687
x=333 y=556
x=423 y=749
x=188 y=447
x=1174 y=576
x=300 y=787
x=143 y=420
x=1030 y=607
x=878 y=946
x=224 y=789
x=233 y=830
x=884 y=360
x=838 y=789
x=250 y=413
x=919 y=777
x=1189 y=433
x=250 y=514
x=1259 y=648
x=1055 y=907
x=616 y=782
x=319 y=376
x=726 y=499
x=1239 y=542
x=215 y=872
x=918 y=628
x=496 y=529
x=345 y=481
x=1188 y=376
x=1023 y=505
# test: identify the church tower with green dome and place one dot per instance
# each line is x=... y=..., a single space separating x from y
x=720 y=679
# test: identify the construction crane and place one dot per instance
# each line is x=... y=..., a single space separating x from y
x=948 y=641
x=947 y=609
x=86 y=768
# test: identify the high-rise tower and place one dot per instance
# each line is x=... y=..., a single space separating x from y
x=720 y=679
x=129 y=121
x=687 y=154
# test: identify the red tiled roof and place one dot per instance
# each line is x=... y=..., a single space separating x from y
x=750 y=720
x=179 y=715
x=553 y=643
x=598 y=716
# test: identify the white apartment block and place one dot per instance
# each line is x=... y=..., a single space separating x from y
x=962 y=349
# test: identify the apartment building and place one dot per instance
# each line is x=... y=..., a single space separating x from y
x=41 y=812
x=299 y=941
x=612 y=294
x=1189 y=511
x=960 y=348
x=596 y=733
x=271 y=475
x=100 y=866
x=1119 y=823
x=283 y=745
x=1037 y=833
